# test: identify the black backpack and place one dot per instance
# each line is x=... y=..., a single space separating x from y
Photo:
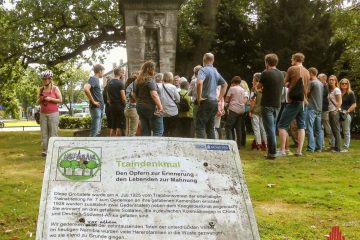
x=183 y=105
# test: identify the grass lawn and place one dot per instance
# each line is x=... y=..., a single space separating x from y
x=309 y=195
x=19 y=123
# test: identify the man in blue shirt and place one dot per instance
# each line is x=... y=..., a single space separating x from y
x=207 y=81
x=93 y=93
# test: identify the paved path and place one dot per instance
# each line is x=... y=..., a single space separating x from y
x=19 y=129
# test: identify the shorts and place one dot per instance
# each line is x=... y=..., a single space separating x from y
x=290 y=112
x=117 y=116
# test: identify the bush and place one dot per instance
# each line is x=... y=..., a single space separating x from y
x=69 y=122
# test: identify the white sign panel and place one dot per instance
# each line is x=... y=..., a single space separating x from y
x=144 y=188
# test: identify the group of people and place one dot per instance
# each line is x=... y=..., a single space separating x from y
x=159 y=104
x=304 y=102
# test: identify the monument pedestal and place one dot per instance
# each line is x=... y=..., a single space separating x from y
x=151 y=33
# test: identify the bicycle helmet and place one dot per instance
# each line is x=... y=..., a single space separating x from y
x=46 y=74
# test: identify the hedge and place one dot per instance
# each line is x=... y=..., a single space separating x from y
x=69 y=122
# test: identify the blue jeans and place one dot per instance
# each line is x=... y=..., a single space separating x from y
x=96 y=120
x=269 y=121
x=345 y=125
x=150 y=122
x=314 y=130
x=205 y=119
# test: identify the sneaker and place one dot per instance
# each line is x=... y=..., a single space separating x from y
x=281 y=154
x=298 y=154
x=309 y=150
x=270 y=157
x=318 y=150
x=345 y=150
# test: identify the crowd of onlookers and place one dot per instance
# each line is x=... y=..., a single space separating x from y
x=297 y=103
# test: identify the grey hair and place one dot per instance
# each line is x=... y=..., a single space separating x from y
x=257 y=76
x=159 y=77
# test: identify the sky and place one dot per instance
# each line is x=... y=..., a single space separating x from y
x=114 y=56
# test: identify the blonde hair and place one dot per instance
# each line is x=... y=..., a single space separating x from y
x=348 y=90
x=244 y=85
x=168 y=77
x=147 y=71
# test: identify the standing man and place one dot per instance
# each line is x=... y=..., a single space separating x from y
x=297 y=80
x=117 y=100
x=272 y=82
x=207 y=81
x=93 y=93
x=313 y=122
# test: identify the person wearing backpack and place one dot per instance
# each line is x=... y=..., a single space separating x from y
x=185 y=127
x=297 y=80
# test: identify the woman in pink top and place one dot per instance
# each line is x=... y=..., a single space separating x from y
x=49 y=97
x=236 y=98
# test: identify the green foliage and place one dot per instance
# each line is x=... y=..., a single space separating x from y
x=289 y=26
x=189 y=28
x=55 y=31
x=71 y=79
x=68 y=122
x=235 y=46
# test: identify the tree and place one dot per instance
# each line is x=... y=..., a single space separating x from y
x=71 y=80
x=92 y=165
x=73 y=165
x=197 y=30
x=65 y=164
x=52 y=31
x=289 y=26
x=235 y=45
x=347 y=30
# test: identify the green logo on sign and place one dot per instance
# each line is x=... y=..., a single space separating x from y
x=79 y=164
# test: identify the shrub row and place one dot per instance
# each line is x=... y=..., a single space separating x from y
x=69 y=122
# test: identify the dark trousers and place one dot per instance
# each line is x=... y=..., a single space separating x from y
x=205 y=119
x=170 y=125
x=185 y=127
x=234 y=121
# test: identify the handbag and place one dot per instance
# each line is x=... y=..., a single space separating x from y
x=297 y=92
x=342 y=113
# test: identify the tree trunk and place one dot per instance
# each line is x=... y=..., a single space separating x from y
x=208 y=21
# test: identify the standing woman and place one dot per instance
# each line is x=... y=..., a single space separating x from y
x=169 y=97
x=235 y=98
x=148 y=103
x=349 y=105
x=335 y=102
x=49 y=97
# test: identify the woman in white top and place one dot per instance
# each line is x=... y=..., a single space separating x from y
x=169 y=96
x=335 y=102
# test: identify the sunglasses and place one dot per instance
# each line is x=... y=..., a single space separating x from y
x=344 y=83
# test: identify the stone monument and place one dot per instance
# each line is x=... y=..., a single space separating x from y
x=151 y=32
